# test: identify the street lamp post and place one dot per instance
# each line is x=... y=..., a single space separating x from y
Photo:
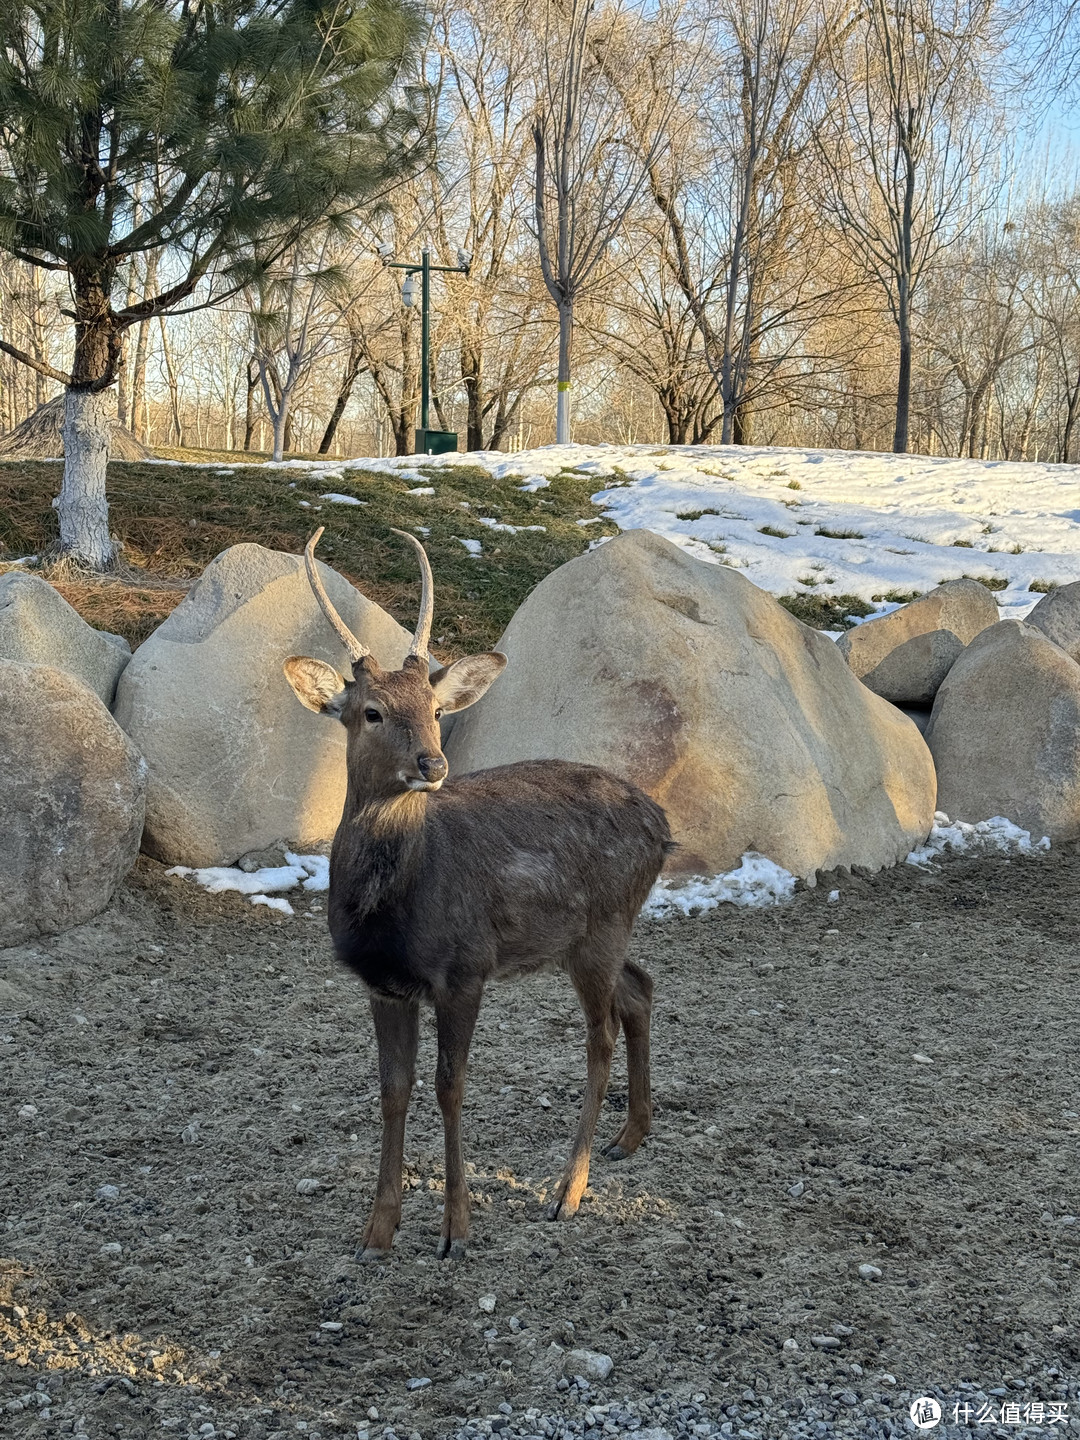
x=428 y=441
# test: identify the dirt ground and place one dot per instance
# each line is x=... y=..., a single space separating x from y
x=203 y=1056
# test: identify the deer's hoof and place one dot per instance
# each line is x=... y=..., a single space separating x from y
x=368 y=1253
x=616 y=1152
x=448 y=1249
x=561 y=1209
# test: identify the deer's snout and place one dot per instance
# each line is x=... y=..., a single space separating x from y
x=432 y=767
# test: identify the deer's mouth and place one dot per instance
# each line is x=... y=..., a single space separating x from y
x=418 y=784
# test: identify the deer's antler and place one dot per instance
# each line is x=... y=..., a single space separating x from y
x=422 y=634
x=347 y=638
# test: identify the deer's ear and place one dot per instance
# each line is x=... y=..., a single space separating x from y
x=462 y=683
x=316 y=684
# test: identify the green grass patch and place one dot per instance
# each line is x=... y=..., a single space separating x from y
x=173 y=520
x=839 y=534
x=962 y=544
x=1043 y=587
x=898 y=597
x=694 y=514
x=992 y=582
x=826 y=612
x=777 y=534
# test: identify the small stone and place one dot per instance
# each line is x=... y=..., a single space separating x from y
x=487 y=1304
x=108 y=1192
x=308 y=1186
x=27 y=1112
x=848 y=1397
x=332 y=1325
x=825 y=1342
x=417 y=1382
x=543 y=1102
x=791 y=1344
x=869 y=1272
x=796 y=1190
x=590 y=1363
x=373 y=1414
x=112 y=1248
x=506 y=1408
x=921 y=1059
x=839 y=1329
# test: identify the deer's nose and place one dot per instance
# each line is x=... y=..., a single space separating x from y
x=432 y=767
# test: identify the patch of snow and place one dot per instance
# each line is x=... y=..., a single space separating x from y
x=273 y=902
x=757 y=882
x=988 y=837
x=342 y=499
x=508 y=529
x=317 y=868
x=312 y=872
x=421 y=490
x=474 y=547
x=915 y=520
x=217 y=878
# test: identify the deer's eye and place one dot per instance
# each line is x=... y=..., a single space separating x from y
x=372 y=717
x=438 y=713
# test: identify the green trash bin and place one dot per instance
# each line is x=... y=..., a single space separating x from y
x=436 y=442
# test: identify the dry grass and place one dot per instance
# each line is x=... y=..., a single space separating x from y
x=173 y=520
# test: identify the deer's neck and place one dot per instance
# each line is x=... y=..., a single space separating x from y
x=377 y=851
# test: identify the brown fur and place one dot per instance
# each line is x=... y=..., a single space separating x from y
x=434 y=891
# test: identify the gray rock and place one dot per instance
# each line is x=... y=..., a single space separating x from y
x=590 y=1363
x=72 y=794
x=1057 y=615
x=747 y=726
x=39 y=627
x=1005 y=733
x=236 y=763
x=905 y=655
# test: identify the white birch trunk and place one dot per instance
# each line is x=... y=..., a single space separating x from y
x=81 y=506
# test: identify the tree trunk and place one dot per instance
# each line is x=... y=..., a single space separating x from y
x=89 y=408
x=348 y=380
x=743 y=425
x=281 y=420
x=82 y=506
x=249 y=413
x=566 y=340
x=903 y=382
x=471 y=375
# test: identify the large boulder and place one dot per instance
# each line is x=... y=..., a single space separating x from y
x=747 y=726
x=905 y=655
x=236 y=763
x=1005 y=733
x=39 y=627
x=1057 y=615
x=72 y=791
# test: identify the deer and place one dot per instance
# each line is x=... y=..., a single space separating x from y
x=438 y=885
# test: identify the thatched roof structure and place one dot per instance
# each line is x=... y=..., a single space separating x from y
x=39 y=437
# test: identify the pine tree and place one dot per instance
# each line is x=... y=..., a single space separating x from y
x=213 y=132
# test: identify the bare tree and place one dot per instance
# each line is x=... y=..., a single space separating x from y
x=912 y=128
x=591 y=165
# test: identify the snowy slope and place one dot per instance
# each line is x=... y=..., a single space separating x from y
x=910 y=521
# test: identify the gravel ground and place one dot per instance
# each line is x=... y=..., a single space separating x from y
x=822 y=1228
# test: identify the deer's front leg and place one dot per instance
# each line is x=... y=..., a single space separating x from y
x=397 y=1030
x=455 y=1016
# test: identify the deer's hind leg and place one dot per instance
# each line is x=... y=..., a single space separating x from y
x=593 y=973
x=633 y=1004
